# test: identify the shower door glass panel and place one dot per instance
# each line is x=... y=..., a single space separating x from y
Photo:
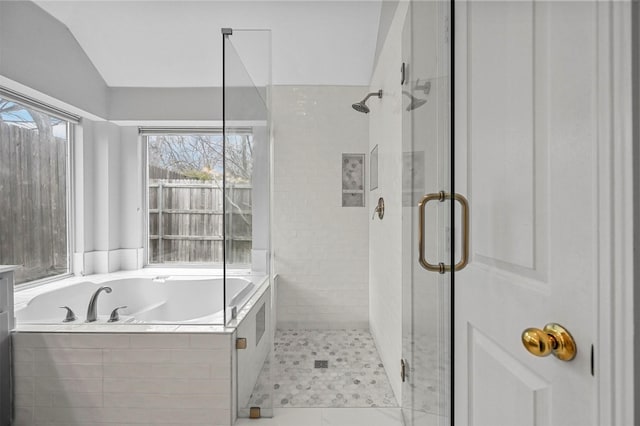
x=247 y=169
x=426 y=393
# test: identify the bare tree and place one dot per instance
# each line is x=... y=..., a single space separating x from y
x=200 y=156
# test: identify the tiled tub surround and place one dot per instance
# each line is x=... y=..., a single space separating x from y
x=107 y=378
x=354 y=377
x=150 y=296
x=256 y=329
x=131 y=373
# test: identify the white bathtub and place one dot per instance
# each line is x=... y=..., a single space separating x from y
x=163 y=298
x=168 y=362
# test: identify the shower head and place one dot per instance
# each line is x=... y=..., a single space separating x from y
x=415 y=102
x=362 y=105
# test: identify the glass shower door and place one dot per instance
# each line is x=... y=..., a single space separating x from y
x=427 y=217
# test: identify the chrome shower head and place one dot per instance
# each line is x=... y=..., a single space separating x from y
x=415 y=102
x=362 y=105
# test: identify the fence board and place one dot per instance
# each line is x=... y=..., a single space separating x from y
x=33 y=225
x=185 y=222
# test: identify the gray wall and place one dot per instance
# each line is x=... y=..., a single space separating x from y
x=187 y=104
x=38 y=51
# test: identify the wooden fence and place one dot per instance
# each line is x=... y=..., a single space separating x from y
x=33 y=192
x=185 y=222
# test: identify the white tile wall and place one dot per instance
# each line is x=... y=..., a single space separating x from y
x=385 y=237
x=251 y=360
x=321 y=248
x=108 y=379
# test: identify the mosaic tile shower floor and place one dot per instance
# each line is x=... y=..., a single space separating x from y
x=355 y=376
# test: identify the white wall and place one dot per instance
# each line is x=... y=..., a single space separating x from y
x=320 y=247
x=131 y=196
x=109 y=198
x=385 y=237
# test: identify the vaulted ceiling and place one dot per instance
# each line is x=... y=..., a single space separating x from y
x=179 y=44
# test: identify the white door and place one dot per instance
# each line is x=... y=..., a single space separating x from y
x=526 y=138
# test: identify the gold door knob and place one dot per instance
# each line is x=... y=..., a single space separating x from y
x=553 y=338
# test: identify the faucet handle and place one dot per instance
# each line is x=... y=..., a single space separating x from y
x=70 y=315
x=115 y=316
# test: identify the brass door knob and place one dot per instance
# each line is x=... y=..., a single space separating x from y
x=553 y=338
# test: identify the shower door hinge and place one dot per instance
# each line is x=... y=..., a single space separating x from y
x=403 y=73
x=241 y=343
x=254 y=413
x=403 y=370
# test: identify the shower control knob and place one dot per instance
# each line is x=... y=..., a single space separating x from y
x=379 y=210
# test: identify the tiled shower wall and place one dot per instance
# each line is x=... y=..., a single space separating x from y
x=321 y=248
x=125 y=379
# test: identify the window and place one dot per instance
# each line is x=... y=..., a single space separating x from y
x=185 y=199
x=34 y=189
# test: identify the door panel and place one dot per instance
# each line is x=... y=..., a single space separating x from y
x=504 y=78
x=526 y=145
x=518 y=396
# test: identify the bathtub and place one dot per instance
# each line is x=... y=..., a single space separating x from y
x=169 y=359
x=159 y=299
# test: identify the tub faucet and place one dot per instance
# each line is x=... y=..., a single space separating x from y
x=92 y=312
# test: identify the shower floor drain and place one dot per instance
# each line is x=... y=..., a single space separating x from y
x=321 y=364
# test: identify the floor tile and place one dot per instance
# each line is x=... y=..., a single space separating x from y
x=354 y=377
x=361 y=417
x=288 y=417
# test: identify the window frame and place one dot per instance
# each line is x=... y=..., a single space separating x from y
x=70 y=197
x=144 y=133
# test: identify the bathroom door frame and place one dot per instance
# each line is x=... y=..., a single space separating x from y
x=618 y=177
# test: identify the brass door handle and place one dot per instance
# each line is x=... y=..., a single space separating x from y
x=441 y=267
x=552 y=339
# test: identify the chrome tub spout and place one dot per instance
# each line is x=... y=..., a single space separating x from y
x=92 y=312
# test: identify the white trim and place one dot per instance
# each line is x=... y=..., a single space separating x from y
x=41 y=281
x=216 y=130
x=622 y=284
x=71 y=198
x=143 y=140
x=46 y=99
x=143 y=135
x=72 y=123
x=614 y=346
x=29 y=102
